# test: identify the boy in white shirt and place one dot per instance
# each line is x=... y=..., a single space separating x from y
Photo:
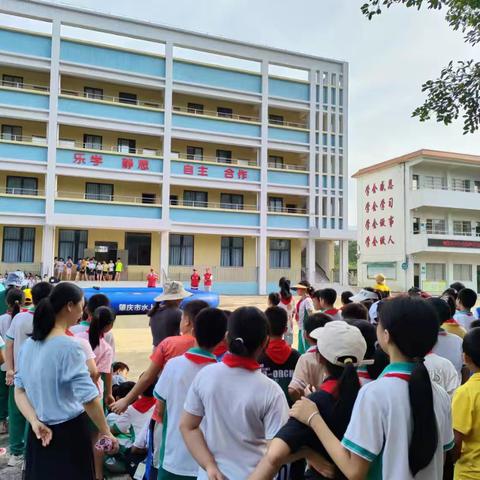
x=466 y=300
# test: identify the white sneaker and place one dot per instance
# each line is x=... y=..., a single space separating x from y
x=15 y=461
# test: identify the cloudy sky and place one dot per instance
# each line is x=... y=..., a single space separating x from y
x=390 y=57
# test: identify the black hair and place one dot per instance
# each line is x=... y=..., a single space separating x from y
x=193 y=308
x=451 y=302
x=284 y=285
x=345 y=297
x=467 y=297
x=95 y=301
x=277 y=320
x=442 y=308
x=475 y=324
x=119 y=366
x=122 y=390
x=328 y=295
x=400 y=316
x=316 y=320
x=15 y=299
x=274 y=298
x=227 y=313
x=471 y=345
x=210 y=326
x=354 y=311
x=380 y=361
x=308 y=286
x=40 y=291
x=102 y=318
x=450 y=292
x=49 y=307
x=247 y=331
x=457 y=286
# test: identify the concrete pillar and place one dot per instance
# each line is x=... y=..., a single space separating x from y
x=343 y=278
x=48 y=239
x=164 y=254
x=310 y=260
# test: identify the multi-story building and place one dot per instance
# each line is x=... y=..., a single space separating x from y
x=419 y=220
x=113 y=151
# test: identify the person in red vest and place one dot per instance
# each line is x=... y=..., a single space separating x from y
x=194 y=280
x=207 y=280
x=152 y=279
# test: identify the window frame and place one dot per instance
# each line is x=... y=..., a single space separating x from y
x=93 y=93
x=130 y=141
x=191 y=203
x=231 y=252
x=194 y=156
x=275 y=160
x=94 y=145
x=76 y=243
x=276 y=119
x=221 y=158
x=272 y=201
x=224 y=112
x=272 y=249
x=12 y=83
x=128 y=98
x=181 y=246
x=11 y=136
x=98 y=196
x=136 y=262
x=232 y=205
x=33 y=192
x=21 y=240
x=195 y=108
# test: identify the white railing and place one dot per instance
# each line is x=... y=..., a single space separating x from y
x=288 y=167
x=66 y=143
x=109 y=98
x=222 y=160
x=23 y=138
x=455 y=233
x=283 y=123
x=208 y=205
x=297 y=211
x=24 y=86
x=18 y=191
x=105 y=197
x=214 y=113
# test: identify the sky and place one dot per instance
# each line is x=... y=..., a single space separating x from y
x=389 y=59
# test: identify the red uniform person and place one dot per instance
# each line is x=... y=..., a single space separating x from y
x=194 y=280
x=152 y=279
x=207 y=280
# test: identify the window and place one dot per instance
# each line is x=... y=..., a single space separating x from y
x=275 y=204
x=126 y=145
x=99 y=191
x=232 y=252
x=461 y=227
x=461 y=185
x=18 y=244
x=324 y=122
x=415 y=182
x=181 y=249
x=462 y=272
x=324 y=162
x=333 y=93
x=332 y=164
x=332 y=181
x=324 y=139
x=194 y=153
x=224 y=112
x=173 y=199
x=324 y=206
x=340 y=183
x=340 y=141
x=432 y=182
x=22 y=185
x=224 y=156
x=389 y=269
x=148 y=198
x=332 y=206
x=12 y=132
x=325 y=95
x=275 y=161
x=231 y=201
x=340 y=97
x=340 y=124
x=291 y=208
x=476 y=186
x=12 y=81
x=139 y=246
x=275 y=119
x=195 y=108
x=435 y=272
x=279 y=253
x=95 y=93
x=125 y=97
x=92 y=141
x=332 y=140
x=332 y=223
x=192 y=198
x=72 y=243
x=416 y=225
x=340 y=165
x=332 y=122
x=436 y=226
x=340 y=207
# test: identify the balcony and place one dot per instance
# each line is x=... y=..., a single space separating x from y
x=443 y=197
x=105 y=106
x=138 y=160
x=215 y=122
x=213 y=213
x=291 y=175
x=23 y=148
x=444 y=241
x=21 y=201
x=287 y=218
x=24 y=95
x=290 y=132
x=25 y=43
x=216 y=168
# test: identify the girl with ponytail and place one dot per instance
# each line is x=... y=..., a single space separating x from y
x=303 y=310
x=401 y=423
x=55 y=393
x=287 y=302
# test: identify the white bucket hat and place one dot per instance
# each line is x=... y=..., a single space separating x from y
x=339 y=340
x=172 y=290
x=363 y=295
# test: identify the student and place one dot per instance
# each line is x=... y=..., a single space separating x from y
x=354 y=311
x=380 y=285
x=120 y=373
x=303 y=309
x=401 y=423
x=309 y=370
x=55 y=267
x=451 y=325
x=194 y=280
x=236 y=401
x=209 y=327
x=19 y=331
x=457 y=286
x=111 y=268
x=324 y=300
x=104 y=271
x=152 y=279
x=14 y=301
x=207 y=280
x=99 y=270
x=273 y=299
x=287 y=302
x=118 y=269
x=169 y=348
x=345 y=298
x=465 y=408
x=53 y=391
x=68 y=268
x=60 y=268
x=367 y=297
x=341 y=348
x=279 y=360
x=466 y=300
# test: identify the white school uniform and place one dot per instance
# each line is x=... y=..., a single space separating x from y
x=465 y=319
x=381 y=426
x=242 y=410
x=19 y=331
x=449 y=346
x=442 y=372
x=5 y=321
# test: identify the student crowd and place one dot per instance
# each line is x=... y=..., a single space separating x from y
x=383 y=387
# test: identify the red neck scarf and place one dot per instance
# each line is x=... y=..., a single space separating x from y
x=331 y=311
x=220 y=349
x=200 y=356
x=143 y=404
x=286 y=301
x=330 y=386
x=312 y=349
x=236 y=361
x=451 y=321
x=278 y=350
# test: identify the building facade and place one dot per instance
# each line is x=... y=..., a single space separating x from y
x=419 y=221
x=112 y=151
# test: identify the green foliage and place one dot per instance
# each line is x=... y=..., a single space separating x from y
x=456 y=92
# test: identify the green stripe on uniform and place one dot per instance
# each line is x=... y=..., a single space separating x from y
x=449 y=446
x=358 y=450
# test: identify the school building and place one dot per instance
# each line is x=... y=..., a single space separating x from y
x=169 y=149
x=418 y=221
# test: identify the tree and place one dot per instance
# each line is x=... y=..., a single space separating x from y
x=457 y=90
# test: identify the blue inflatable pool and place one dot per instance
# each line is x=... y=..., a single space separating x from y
x=132 y=301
